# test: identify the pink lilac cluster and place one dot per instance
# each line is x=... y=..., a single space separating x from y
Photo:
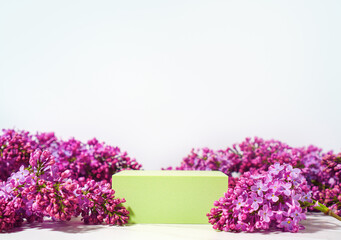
x=9 y=214
x=327 y=185
x=262 y=201
x=98 y=204
x=207 y=159
x=321 y=170
x=43 y=176
x=92 y=161
x=249 y=155
x=15 y=150
x=40 y=190
x=86 y=161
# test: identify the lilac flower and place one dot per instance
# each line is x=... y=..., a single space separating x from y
x=296 y=214
x=94 y=211
x=331 y=181
x=254 y=201
x=15 y=150
x=288 y=224
x=19 y=177
x=325 y=190
x=280 y=213
x=5 y=190
x=312 y=160
x=272 y=196
x=83 y=201
x=275 y=209
x=307 y=197
x=321 y=171
x=241 y=226
x=296 y=198
x=239 y=203
x=259 y=188
x=266 y=213
x=296 y=181
x=285 y=188
x=268 y=179
x=43 y=184
x=44 y=176
x=9 y=213
x=35 y=158
x=276 y=168
x=293 y=171
x=275 y=186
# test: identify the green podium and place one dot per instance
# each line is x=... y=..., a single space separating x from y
x=169 y=196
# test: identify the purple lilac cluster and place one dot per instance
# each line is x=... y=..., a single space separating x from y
x=321 y=170
x=40 y=190
x=249 y=155
x=327 y=183
x=15 y=150
x=98 y=204
x=206 y=159
x=92 y=161
x=262 y=201
x=86 y=161
x=43 y=176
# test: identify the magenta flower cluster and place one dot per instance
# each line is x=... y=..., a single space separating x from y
x=15 y=150
x=322 y=171
x=249 y=155
x=271 y=185
x=86 y=161
x=268 y=200
x=46 y=177
x=40 y=191
x=206 y=159
x=326 y=185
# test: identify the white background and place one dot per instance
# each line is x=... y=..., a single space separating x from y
x=157 y=78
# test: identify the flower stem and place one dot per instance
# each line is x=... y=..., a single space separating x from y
x=319 y=206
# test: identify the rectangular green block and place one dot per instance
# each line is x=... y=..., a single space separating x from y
x=169 y=196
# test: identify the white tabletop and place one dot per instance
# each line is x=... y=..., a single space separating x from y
x=318 y=226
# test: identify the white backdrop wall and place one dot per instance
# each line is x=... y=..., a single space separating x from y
x=157 y=78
